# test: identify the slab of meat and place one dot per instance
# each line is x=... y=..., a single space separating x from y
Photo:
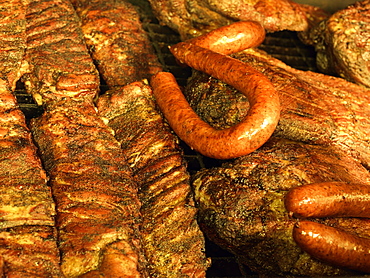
x=192 y=18
x=241 y=204
x=97 y=204
x=316 y=108
x=342 y=43
x=172 y=241
x=28 y=246
x=119 y=44
x=60 y=64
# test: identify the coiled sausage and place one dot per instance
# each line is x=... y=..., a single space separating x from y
x=241 y=139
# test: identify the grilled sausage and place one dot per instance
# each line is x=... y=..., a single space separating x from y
x=333 y=246
x=238 y=140
x=232 y=38
x=329 y=199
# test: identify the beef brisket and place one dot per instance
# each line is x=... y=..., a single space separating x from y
x=191 y=18
x=316 y=108
x=241 y=204
x=342 y=45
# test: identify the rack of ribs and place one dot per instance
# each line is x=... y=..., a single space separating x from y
x=27 y=229
x=172 y=241
x=96 y=198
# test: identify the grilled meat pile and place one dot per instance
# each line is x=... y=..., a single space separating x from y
x=172 y=241
x=241 y=204
x=27 y=228
x=342 y=43
x=191 y=18
x=316 y=108
x=96 y=198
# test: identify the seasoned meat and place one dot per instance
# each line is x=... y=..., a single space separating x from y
x=97 y=203
x=192 y=18
x=57 y=55
x=28 y=246
x=173 y=242
x=241 y=204
x=316 y=108
x=117 y=41
x=342 y=43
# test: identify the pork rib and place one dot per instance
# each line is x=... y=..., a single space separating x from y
x=172 y=241
x=97 y=204
x=117 y=41
x=28 y=246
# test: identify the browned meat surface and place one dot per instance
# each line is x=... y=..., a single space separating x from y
x=27 y=230
x=117 y=41
x=192 y=18
x=57 y=55
x=241 y=204
x=316 y=108
x=98 y=210
x=97 y=204
x=173 y=242
x=342 y=45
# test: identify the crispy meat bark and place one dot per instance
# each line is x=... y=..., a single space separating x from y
x=172 y=241
x=96 y=198
x=28 y=246
x=117 y=41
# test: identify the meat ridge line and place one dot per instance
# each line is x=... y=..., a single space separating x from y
x=129 y=104
x=27 y=227
x=98 y=234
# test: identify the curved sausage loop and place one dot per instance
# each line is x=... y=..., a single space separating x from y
x=333 y=246
x=245 y=137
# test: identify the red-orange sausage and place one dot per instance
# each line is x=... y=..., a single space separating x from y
x=232 y=38
x=333 y=246
x=241 y=139
x=329 y=199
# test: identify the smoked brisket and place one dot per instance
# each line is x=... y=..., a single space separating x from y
x=241 y=205
x=342 y=45
x=316 y=108
x=191 y=18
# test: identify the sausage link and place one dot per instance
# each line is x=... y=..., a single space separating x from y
x=232 y=38
x=333 y=246
x=232 y=142
x=253 y=131
x=329 y=199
